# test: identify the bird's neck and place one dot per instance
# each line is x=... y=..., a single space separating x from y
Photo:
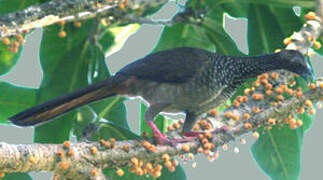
x=259 y=65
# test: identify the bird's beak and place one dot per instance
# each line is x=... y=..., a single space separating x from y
x=308 y=77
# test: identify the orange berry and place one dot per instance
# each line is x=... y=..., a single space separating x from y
x=148 y=166
x=126 y=148
x=63 y=165
x=299 y=94
x=112 y=140
x=171 y=168
x=208 y=135
x=190 y=156
x=200 y=136
x=71 y=153
x=245 y=99
x=157 y=174
x=312 y=111
x=312 y=86
x=228 y=114
x=134 y=161
x=279 y=90
x=256 y=110
x=200 y=150
x=196 y=127
x=280 y=97
x=269 y=92
x=275 y=75
x=139 y=172
x=152 y=148
x=301 y=110
x=62 y=34
x=77 y=24
x=290 y=91
x=93 y=172
x=321 y=84
x=308 y=103
x=94 y=150
x=66 y=144
x=317 y=45
x=235 y=117
x=6 y=41
x=175 y=162
x=204 y=141
x=287 y=41
x=272 y=121
x=310 y=16
x=293 y=125
x=165 y=157
x=247 y=91
x=168 y=164
x=214 y=112
x=15 y=44
x=255 y=135
x=186 y=148
x=236 y=103
x=158 y=167
x=62 y=23
x=299 y=122
x=248 y=125
x=119 y=172
x=246 y=116
x=2 y=174
x=32 y=159
x=60 y=153
x=176 y=125
x=269 y=86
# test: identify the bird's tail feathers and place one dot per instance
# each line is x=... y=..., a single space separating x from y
x=66 y=103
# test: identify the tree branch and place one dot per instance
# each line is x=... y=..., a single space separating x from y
x=66 y=10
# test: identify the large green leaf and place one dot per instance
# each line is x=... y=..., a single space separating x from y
x=278 y=153
x=14 y=99
x=17 y=176
x=180 y=35
x=68 y=64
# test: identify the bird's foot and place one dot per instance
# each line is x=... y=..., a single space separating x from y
x=193 y=134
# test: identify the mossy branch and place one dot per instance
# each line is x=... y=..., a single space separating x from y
x=52 y=12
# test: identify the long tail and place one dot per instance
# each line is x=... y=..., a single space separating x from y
x=66 y=103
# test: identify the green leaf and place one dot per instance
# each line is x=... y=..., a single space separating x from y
x=8 y=59
x=17 y=176
x=278 y=153
x=180 y=35
x=222 y=41
x=69 y=64
x=14 y=99
x=7 y=6
x=264 y=32
x=179 y=173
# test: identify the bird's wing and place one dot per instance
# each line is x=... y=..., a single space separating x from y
x=172 y=66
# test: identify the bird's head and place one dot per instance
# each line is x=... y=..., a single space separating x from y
x=295 y=62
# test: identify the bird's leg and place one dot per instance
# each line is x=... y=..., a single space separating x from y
x=150 y=115
x=190 y=120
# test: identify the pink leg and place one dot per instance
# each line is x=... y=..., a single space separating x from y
x=156 y=130
x=192 y=134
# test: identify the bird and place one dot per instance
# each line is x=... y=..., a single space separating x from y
x=180 y=80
